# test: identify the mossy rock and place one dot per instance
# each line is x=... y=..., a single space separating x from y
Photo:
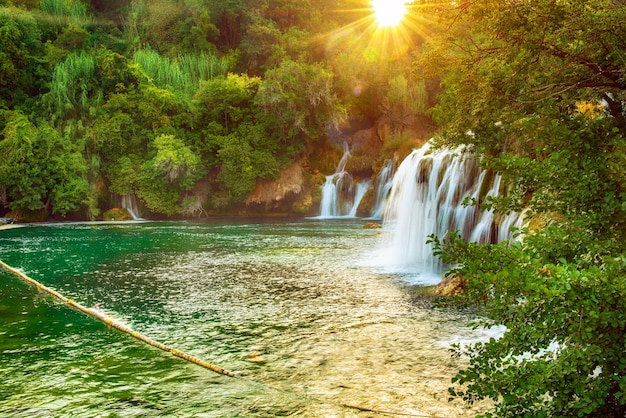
x=541 y=220
x=303 y=204
x=116 y=214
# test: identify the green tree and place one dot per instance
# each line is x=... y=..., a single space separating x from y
x=518 y=77
x=134 y=135
x=297 y=104
x=40 y=170
x=227 y=101
x=176 y=161
x=156 y=191
x=261 y=45
x=155 y=24
x=235 y=144
x=85 y=80
x=228 y=17
x=73 y=38
x=198 y=32
x=404 y=102
x=23 y=72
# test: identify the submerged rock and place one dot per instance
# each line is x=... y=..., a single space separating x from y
x=372 y=225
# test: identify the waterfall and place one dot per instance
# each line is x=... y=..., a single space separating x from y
x=339 y=197
x=383 y=185
x=129 y=202
x=341 y=167
x=426 y=198
x=335 y=193
x=361 y=188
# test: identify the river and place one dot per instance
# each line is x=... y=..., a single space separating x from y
x=294 y=307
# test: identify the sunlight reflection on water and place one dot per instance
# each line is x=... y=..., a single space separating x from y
x=309 y=330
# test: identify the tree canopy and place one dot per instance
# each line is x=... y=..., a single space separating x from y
x=234 y=84
x=189 y=104
x=538 y=88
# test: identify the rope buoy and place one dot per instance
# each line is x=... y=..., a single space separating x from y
x=101 y=316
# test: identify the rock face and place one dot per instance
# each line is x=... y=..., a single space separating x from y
x=366 y=146
x=451 y=286
x=288 y=193
x=298 y=190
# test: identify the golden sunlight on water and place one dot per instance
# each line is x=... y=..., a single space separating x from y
x=308 y=331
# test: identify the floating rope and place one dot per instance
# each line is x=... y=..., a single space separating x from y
x=117 y=325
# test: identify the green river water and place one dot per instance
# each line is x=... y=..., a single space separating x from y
x=292 y=307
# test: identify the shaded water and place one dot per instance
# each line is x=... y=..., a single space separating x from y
x=310 y=330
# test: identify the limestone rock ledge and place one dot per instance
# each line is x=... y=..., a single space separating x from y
x=289 y=189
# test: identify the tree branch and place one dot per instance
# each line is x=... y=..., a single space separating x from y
x=610 y=72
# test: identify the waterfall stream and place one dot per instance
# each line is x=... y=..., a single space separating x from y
x=383 y=185
x=340 y=197
x=426 y=197
x=361 y=188
x=129 y=202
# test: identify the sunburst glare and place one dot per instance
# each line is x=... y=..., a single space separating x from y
x=389 y=13
x=383 y=30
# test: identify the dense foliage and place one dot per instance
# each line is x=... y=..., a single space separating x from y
x=538 y=87
x=187 y=104
x=184 y=104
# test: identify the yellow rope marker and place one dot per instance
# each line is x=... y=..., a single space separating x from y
x=101 y=316
x=202 y=363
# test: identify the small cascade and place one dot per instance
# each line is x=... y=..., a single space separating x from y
x=361 y=188
x=426 y=198
x=336 y=194
x=340 y=197
x=383 y=185
x=341 y=167
x=129 y=202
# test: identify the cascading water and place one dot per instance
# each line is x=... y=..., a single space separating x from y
x=361 y=188
x=426 y=198
x=339 y=197
x=337 y=187
x=383 y=185
x=129 y=202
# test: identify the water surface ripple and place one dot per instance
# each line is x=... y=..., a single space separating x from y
x=310 y=330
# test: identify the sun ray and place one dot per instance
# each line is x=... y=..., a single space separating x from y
x=367 y=39
x=389 y=13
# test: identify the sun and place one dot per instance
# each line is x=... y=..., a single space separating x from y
x=389 y=13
